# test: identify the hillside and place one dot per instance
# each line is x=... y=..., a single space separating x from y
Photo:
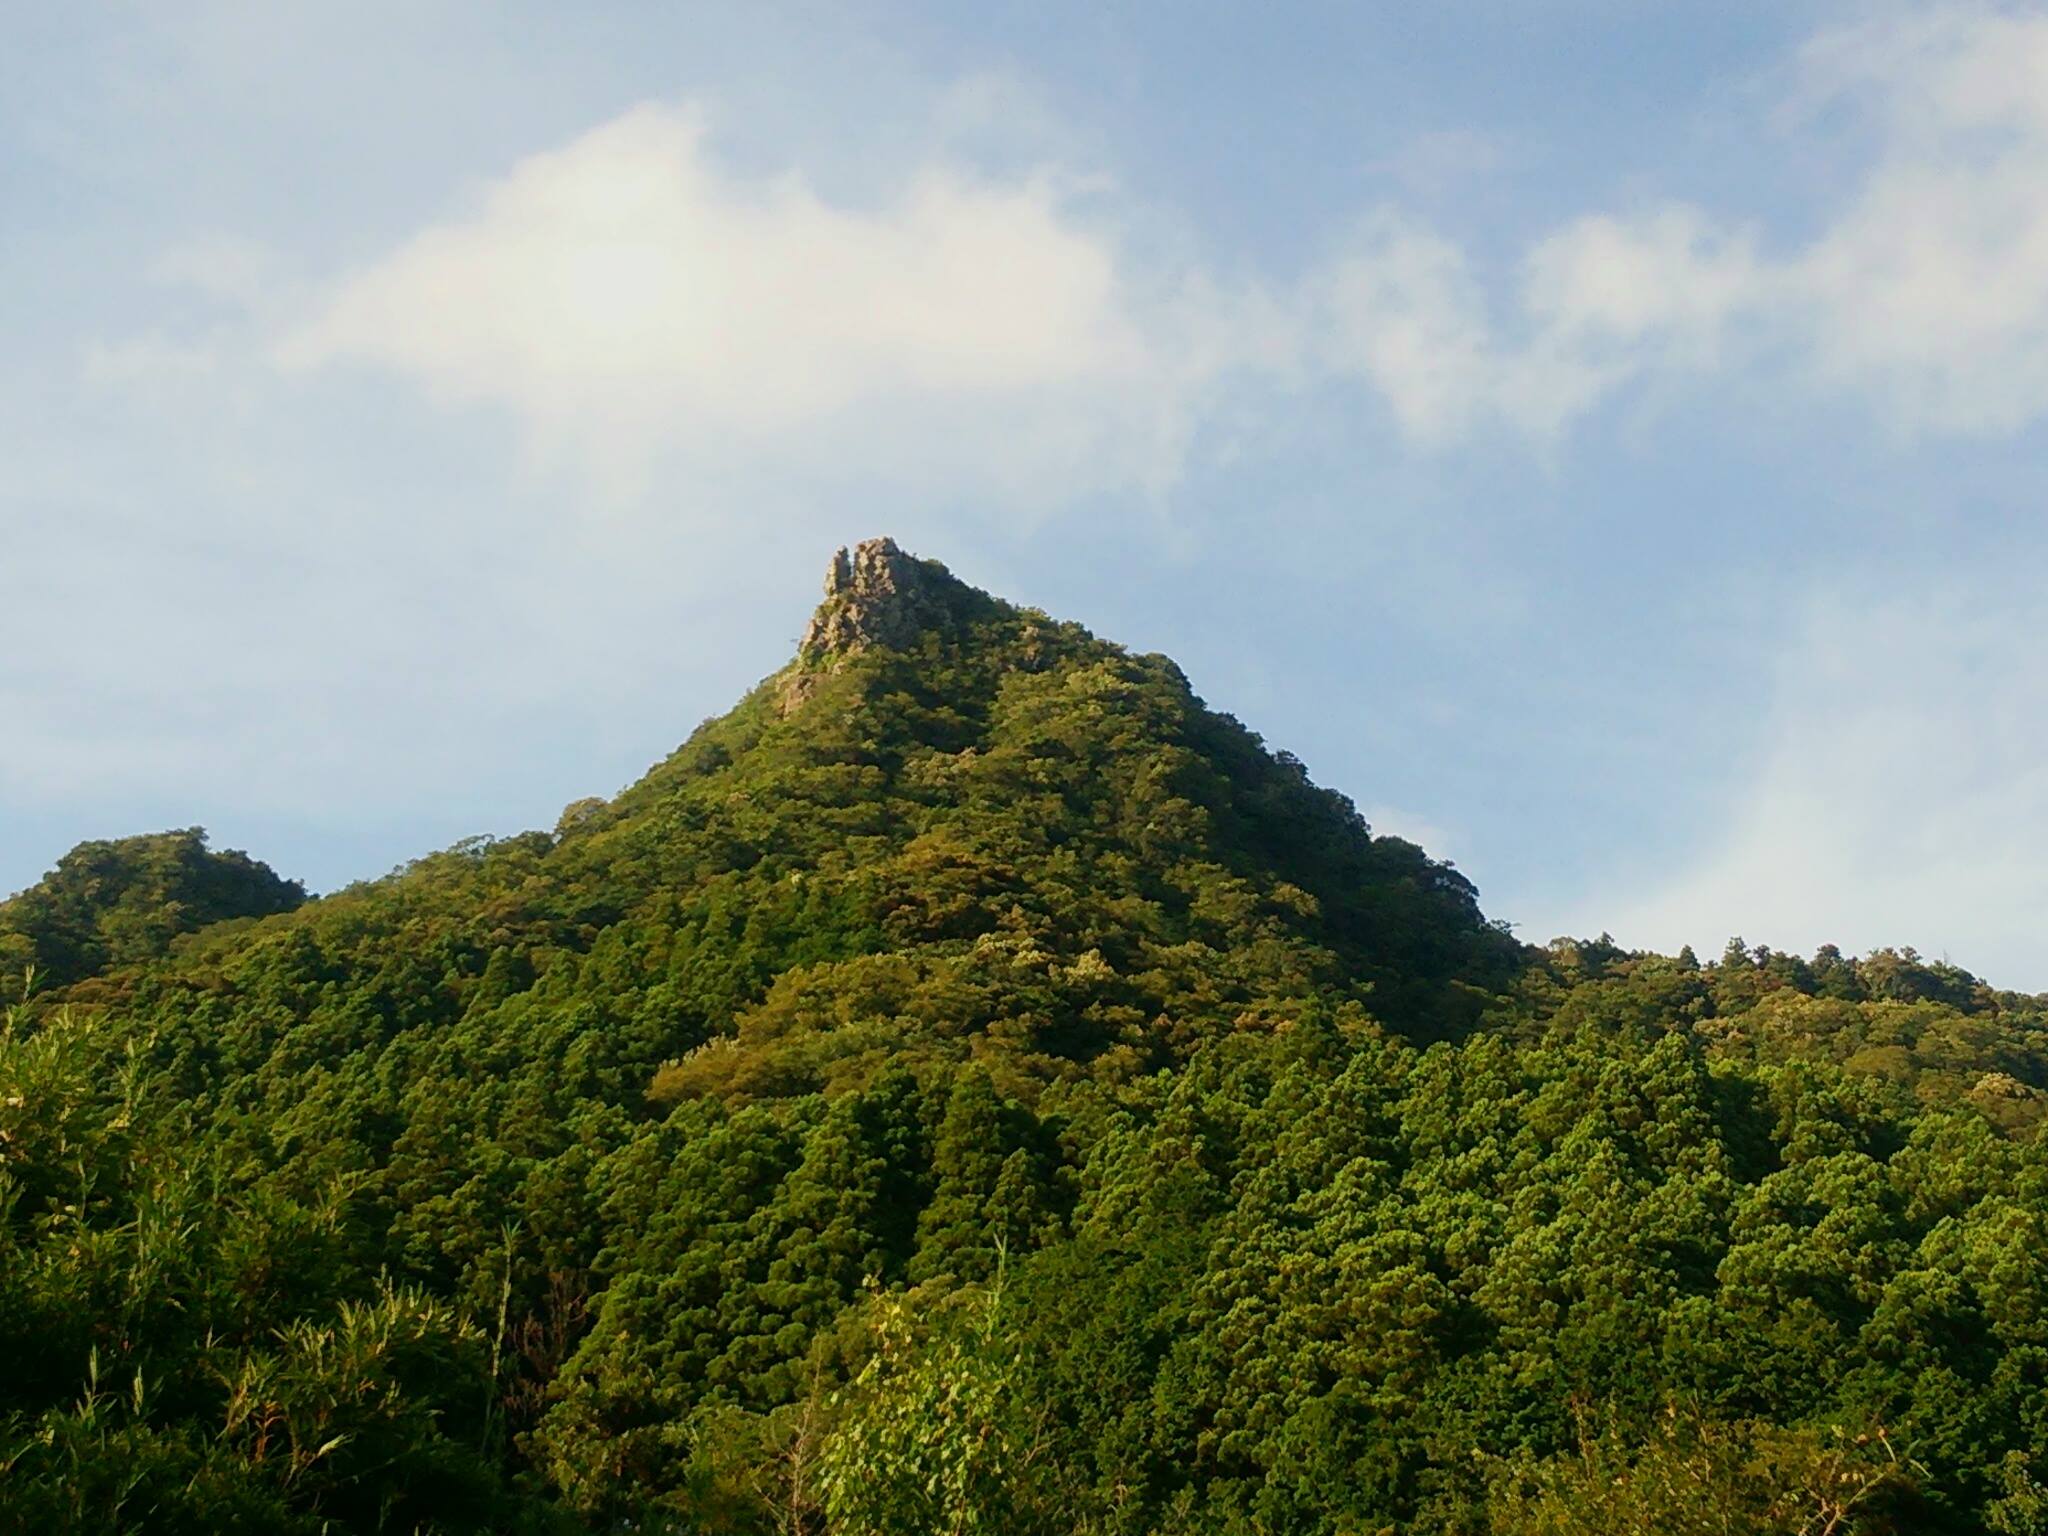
x=120 y=903
x=973 y=1085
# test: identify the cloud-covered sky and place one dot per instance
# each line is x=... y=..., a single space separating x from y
x=1606 y=441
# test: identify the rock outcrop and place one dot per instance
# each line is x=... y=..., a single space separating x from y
x=876 y=596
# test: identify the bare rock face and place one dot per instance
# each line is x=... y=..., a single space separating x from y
x=876 y=596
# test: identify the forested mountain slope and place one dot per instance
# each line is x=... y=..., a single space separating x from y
x=974 y=1086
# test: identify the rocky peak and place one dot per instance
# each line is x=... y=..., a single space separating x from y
x=876 y=596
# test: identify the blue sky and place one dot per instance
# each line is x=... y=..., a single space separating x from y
x=1604 y=440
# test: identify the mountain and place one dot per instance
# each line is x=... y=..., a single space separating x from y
x=119 y=903
x=973 y=1085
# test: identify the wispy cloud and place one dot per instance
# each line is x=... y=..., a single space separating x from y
x=1923 y=293
x=1896 y=790
x=1929 y=291
x=1431 y=164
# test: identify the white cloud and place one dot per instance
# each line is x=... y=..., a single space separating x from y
x=626 y=294
x=1930 y=289
x=1602 y=300
x=1406 y=312
x=1898 y=794
x=1611 y=292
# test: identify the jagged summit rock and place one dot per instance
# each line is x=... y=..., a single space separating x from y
x=883 y=602
x=877 y=595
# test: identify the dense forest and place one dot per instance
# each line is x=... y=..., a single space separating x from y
x=975 y=1087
